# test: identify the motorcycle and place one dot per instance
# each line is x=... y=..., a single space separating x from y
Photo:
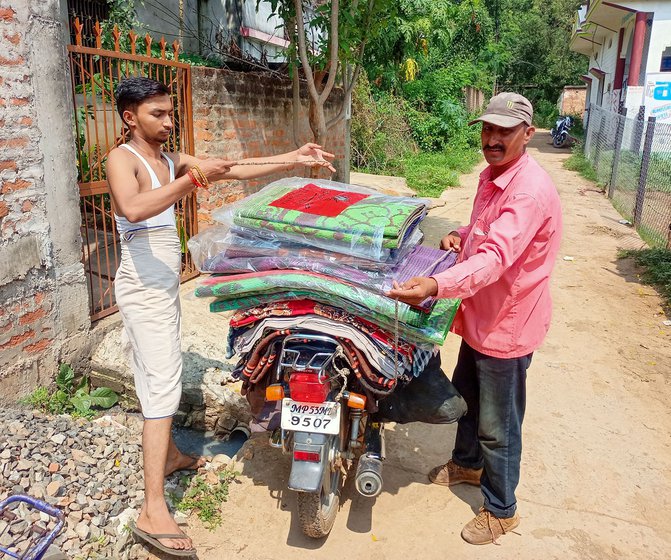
x=332 y=413
x=560 y=132
x=325 y=425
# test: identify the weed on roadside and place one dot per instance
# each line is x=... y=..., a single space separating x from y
x=657 y=267
x=204 y=496
x=77 y=399
x=579 y=163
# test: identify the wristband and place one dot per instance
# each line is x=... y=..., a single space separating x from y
x=198 y=172
x=195 y=181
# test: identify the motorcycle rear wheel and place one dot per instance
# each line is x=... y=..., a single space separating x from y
x=317 y=511
x=559 y=140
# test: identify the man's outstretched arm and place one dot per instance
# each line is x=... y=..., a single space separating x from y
x=136 y=205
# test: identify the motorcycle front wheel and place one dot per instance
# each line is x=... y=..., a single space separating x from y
x=317 y=511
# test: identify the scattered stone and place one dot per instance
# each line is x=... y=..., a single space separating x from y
x=82 y=531
x=54 y=488
x=24 y=465
x=58 y=439
x=89 y=470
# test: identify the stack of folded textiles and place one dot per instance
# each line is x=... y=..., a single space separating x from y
x=305 y=255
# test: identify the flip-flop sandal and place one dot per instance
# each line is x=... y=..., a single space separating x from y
x=152 y=539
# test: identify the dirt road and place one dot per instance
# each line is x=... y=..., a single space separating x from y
x=596 y=466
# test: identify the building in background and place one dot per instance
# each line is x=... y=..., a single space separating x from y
x=222 y=29
x=572 y=100
x=629 y=48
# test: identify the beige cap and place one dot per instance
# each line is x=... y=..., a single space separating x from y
x=507 y=110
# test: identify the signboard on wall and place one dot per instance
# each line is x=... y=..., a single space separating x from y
x=657 y=96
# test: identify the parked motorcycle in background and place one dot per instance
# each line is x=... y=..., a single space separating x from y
x=559 y=132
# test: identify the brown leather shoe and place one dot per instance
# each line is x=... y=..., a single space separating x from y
x=450 y=474
x=485 y=528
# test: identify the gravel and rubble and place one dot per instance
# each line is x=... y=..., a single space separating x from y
x=92 y=471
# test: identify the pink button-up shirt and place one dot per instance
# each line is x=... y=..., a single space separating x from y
x=508 y=251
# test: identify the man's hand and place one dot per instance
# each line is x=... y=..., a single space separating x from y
x=312 y=155
x=414 y=291
x=451 y=241
x=216 y=169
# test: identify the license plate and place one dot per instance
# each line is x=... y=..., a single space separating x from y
x=322 y=418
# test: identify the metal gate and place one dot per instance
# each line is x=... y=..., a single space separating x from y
x=98 y=129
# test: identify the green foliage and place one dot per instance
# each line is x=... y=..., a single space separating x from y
x=540 y=63
x=657 y=265
x=380 y=132
x=122 y=14
x=519 y=45
x=545 y=114
x=579 y=163
x=70 y=397
x=398 y=136
x=429 y=174
x=205 y=498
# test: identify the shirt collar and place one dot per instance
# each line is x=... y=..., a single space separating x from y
x=503 y=180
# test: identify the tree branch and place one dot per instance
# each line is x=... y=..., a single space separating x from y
x=302 y=51
x=348 y=91
x=296 y=92
x=333 y=64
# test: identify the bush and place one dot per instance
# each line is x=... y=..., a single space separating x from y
x=545 y=114
x=70 y=397
x=380 y=131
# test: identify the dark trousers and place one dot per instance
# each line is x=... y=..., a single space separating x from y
x=489 y=435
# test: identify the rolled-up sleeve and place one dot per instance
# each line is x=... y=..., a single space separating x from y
x=509 y=235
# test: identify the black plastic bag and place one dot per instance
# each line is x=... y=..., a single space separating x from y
x=430 y=398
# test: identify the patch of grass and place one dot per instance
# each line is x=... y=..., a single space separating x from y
x=430 y=173
x=579 y=163
x=657 y=268
x=205 y=497
x=39 y=399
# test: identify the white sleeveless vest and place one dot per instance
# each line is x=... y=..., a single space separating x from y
x=164 y=219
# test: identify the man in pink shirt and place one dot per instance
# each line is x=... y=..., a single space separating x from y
x=507 y=252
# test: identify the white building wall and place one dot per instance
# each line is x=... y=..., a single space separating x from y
x=608 y=64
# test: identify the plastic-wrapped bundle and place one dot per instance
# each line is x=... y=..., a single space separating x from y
x=250 y=290
x=333 y=216
x=219 y=250
x=225 y=249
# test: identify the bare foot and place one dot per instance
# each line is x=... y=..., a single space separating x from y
x=181 y=462
x=162 y=523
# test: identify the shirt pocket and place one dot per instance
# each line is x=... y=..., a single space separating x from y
x=477 y=236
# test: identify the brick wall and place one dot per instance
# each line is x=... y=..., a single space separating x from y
x=573 y=100
x=239 y=115
x=41 y=279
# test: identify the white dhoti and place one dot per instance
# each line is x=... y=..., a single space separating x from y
x=147 y=292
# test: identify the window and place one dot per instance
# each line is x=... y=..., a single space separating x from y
x=666 y=60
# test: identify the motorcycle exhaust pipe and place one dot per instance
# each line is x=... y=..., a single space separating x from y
x=369 y=476
x=368 y=479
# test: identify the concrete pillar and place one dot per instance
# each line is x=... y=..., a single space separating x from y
x=637 y=48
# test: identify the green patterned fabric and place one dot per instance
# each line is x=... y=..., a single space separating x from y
x=251 y=290
x=378 y=220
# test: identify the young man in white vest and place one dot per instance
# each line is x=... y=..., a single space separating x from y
x=145 y=183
